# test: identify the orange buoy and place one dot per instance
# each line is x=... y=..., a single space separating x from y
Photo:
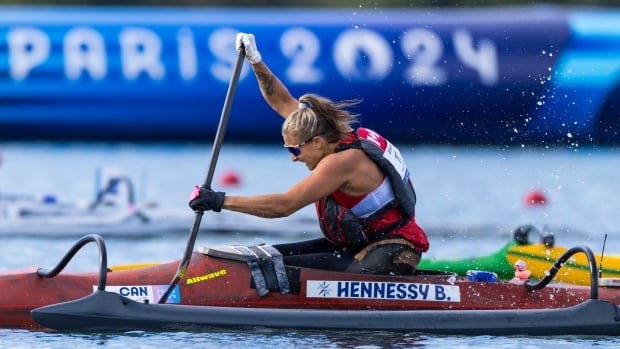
x=230 y=178
x=535 y=197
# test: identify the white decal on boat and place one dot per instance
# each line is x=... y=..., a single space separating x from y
x=145 y=293
x=382 y=290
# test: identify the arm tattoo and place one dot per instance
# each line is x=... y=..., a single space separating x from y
x=267 y=83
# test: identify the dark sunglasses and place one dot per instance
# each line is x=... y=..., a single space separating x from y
x=296 y=149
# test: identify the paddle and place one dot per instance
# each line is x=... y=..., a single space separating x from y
x=217 y=144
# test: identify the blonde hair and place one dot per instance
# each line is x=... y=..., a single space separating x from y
x=319 y=116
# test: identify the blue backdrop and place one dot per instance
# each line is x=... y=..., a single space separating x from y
x=536 y=75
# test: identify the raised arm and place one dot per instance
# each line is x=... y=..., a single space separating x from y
x=273 y=90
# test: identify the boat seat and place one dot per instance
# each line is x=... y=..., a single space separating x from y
x=266 y=266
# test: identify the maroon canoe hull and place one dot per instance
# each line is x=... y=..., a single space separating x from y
x=212 y=281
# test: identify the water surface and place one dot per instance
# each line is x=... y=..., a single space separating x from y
x=469 y=201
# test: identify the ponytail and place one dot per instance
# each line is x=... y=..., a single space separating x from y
x=319 y=116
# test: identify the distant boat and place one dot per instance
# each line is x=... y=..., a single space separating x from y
x=115 y=213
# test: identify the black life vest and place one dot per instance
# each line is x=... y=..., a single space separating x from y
x=339 y=224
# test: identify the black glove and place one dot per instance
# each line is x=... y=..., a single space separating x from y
x=204 y=199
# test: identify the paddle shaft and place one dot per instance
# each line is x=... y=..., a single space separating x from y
x=215 y=153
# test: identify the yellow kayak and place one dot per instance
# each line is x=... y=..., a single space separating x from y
x=538 y=258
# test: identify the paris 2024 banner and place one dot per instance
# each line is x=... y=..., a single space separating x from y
x=520 y=75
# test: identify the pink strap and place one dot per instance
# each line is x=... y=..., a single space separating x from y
x=195 y=193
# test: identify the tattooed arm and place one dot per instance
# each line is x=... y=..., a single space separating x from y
x=273 y=90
